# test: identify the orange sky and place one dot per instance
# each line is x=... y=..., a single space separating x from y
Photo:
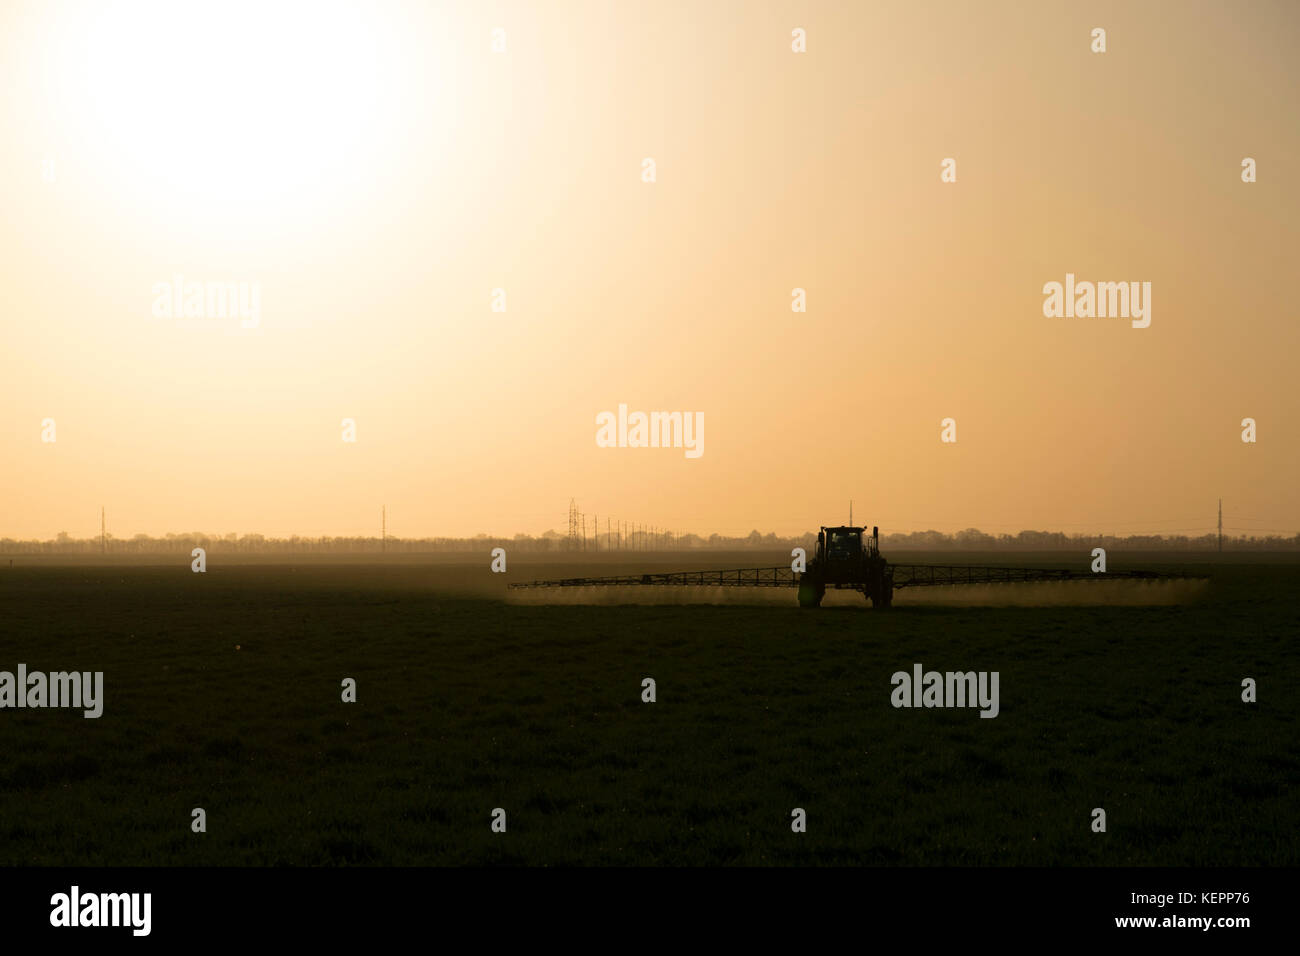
x=378 y=171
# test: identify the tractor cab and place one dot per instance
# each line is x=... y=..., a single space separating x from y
x=843 y=544
x=846 y=548
x=847 y=558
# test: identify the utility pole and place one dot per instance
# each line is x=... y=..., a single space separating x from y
x=103 y=544
x=1221 y=526
x=573 y=525
x=383 y=529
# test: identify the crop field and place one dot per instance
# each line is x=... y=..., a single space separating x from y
x=222 y=691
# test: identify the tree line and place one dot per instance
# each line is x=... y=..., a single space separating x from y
x=971 y=539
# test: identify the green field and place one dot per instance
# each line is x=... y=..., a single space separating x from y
x=222 y=691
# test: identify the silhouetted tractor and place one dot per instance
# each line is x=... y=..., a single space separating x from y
x=846 y=560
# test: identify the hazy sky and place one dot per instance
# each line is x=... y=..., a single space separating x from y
x=375 y=170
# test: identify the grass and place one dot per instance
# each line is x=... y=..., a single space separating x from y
x=222 y=691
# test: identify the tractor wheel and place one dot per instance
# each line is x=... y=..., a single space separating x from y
x=886 y=586
x=880 y=592
x=811 y=591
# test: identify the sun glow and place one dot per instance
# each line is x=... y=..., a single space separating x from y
x=212 y=108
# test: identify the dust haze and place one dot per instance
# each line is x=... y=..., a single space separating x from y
x=1134 y=593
